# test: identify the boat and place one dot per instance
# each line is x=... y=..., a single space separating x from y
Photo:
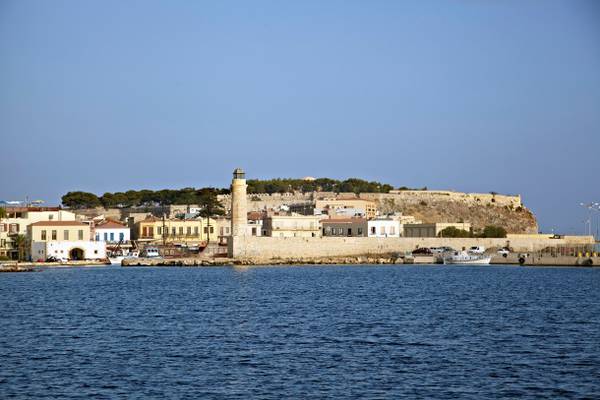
x=116 y=258
x=467 y=258
x=150 y=252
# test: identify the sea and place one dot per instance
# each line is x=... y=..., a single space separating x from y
x=301 y=332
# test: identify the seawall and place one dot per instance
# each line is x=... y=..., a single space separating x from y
x=267 y=248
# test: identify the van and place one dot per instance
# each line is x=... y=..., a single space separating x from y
x=477 y=249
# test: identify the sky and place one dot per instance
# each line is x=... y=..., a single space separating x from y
x=468 y=95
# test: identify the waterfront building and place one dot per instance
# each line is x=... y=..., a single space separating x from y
x=19 y=218
x=292 y=226
x=67 y=240
x=350 y=227
x=335 y=206
x=384 y=227
x=112 y=232
x=197 y=231
x=432 y=229
x=255 y=223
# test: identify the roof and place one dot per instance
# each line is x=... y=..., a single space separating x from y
x=110 y=224
x=255 y=215
x=59 y=223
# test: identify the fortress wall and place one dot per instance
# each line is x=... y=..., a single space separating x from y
x=262 y=200
x=264 y=248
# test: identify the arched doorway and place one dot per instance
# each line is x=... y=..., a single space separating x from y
x=76 y=254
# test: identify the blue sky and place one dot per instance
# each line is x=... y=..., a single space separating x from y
x=468 y=95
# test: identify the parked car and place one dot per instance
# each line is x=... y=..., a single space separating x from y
x=504 y=252
x=442 y=249
x=422 y=251
x=477 y=249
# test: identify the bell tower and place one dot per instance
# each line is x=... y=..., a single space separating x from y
x=239 y=208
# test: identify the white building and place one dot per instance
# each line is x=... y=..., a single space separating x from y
x=67 y=240
x=112 y=232
x=72 y=250
x=384 y=227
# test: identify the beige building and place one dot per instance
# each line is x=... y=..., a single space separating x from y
x=177 y=231
x=292 y=226
x=354 y=227
x=66 y=240
x=19 y=218
x=433 y=229
x=338 y=207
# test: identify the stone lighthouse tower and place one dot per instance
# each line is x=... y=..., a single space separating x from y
x=239 y=208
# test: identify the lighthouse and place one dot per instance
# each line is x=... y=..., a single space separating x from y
x=239 y=208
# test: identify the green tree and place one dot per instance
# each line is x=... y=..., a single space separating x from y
x=20 y=243
x=453 y=232
x=2 y=212
x=492 y=231
x=81 y=200
x=209 y=206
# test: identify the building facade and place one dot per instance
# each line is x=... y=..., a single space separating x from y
x=66 y=240
x=349 y=227
x=292 y=226
x=343 y=207
x=384 y=227
x=19 y=218
x=197 y=231
x=112 y=232
x=433 y=229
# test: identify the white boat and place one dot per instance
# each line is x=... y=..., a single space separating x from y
x=117 y=258
x=466 y=258
x=150 y=252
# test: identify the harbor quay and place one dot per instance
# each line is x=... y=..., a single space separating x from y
x=396 y=227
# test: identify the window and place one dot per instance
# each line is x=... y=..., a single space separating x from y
x=205 y=230
x=158 y=230
x=121 y=236
x=66 y=234
x=54 y=235
x=189 y=231
x=144 y=232
x=97 y=236
x=196 y=230
x=359 y=231
x=14 y=228
x=112 y=236
x=392 y=230
x=174 y=231
x=181 y=230
x=253 y=231
x=212 y=229
x=227 y=230
x=80 y=234
x=95 y=251
x=373 y=230
x=151 y=231
x=43 y=235
x=50 y=217
x=106 y=235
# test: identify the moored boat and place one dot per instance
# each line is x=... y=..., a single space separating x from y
x=466 y=258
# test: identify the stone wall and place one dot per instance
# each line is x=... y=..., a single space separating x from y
x=265 y=248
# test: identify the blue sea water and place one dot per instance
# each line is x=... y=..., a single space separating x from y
x=364 y=332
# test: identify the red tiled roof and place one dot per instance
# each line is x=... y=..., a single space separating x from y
x=59 y=223
x=111 y=224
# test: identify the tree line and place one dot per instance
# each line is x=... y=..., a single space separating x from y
x=139 y=198
x=286 y=185
x=490 y=231
x=153 y=198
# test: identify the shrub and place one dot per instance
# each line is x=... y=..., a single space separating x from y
x=452 y=232
x=492 y=231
